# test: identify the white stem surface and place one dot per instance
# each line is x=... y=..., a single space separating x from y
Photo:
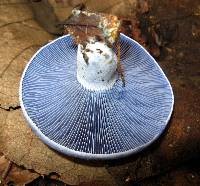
x=99 y=72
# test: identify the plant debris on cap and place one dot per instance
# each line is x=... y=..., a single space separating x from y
x=87 y=26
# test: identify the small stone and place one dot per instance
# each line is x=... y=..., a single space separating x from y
x=188 y=128
x=192 y=176
x=128 y=179
x=169 y=49
x=181 y=55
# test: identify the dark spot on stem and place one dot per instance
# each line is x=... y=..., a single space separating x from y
x=99 y=50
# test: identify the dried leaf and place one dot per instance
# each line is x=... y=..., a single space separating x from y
x=19 y=41
x=15 y=174
x=14 y=13
x=3 y=164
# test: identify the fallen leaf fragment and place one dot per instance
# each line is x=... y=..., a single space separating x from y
x=10 y=172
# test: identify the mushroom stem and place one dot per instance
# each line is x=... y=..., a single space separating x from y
x=96 y=66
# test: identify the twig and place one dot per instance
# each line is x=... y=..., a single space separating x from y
x=77 y=24
x=15 y=22
x=119 y=67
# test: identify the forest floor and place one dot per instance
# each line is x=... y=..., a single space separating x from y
x=170 y=30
